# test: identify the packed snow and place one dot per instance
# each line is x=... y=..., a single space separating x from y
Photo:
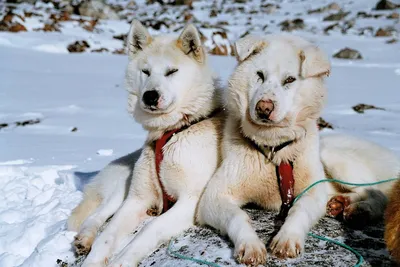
x=65 y=114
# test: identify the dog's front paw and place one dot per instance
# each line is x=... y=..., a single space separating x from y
x=251 y=253
x=287 y=245
x=83 y=243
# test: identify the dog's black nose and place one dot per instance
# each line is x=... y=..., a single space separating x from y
x=150 y=98
x=264 y=109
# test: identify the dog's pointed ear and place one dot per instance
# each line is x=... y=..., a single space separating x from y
x=190 y=43
x=247 y=46
x=138 y=38
x=314 y=62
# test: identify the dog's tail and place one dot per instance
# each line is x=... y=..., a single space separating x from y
x=392 y=223
x=90 y=202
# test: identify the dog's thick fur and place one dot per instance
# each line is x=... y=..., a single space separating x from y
x=392 y=223
x=177 y=69
x=289 y=72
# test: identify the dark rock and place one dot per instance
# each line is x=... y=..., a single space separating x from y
x=348 y=53
x=74 y=129
x=120 y=51
x=360 y=108
x=331 y=27
x=322 y=124
x=291 y=25
x=392 y=41
x=3 y=125
x=99 y=50
x=78 y=47
x=213 y=13
x=27 y=122
x=385 y=5
x=337 y=16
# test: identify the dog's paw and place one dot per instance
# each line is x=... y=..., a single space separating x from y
x=251 y=253
x=287 y=245
x=83 y=243
x=336 y=205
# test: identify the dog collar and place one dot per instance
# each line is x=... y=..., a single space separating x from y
x=168 y=200
x=284 y=174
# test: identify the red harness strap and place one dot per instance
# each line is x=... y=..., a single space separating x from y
x=284 y=172
x=168 y=200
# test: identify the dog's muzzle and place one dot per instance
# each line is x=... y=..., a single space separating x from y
x=264 y=108
x=151 y=99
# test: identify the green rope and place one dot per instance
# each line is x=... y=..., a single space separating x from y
x=183 y=257
x=360 y=258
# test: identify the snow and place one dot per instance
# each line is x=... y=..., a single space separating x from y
x=81 y=104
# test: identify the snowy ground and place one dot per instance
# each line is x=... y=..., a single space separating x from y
x=43 y=166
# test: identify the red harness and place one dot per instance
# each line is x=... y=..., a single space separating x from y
x=284 y=172
x=168 y=201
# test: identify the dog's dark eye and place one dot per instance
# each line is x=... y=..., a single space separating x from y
x=170 y=72
x=288 y=80
x=146 y=71
x=260 y=76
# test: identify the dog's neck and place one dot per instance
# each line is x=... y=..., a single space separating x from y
x=282 y=144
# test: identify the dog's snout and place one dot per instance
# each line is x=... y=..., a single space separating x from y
x=264 y=108
x=150 y=98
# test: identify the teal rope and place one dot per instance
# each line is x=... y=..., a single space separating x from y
x=359 y=256
x=341 y=182
x=183 y=257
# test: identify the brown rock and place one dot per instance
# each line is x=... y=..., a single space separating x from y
x=360 y=108
x=16 y=27
x=89 y=26
x=337 y=16
x=78 y=47
x=348 y=53
x=49 y=28
x=394 y=15
x=383 y=33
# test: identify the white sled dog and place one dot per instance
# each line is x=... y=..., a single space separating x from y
x=274 y=99
x=172 y=94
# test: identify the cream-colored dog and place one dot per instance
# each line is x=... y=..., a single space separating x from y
x=171 y=88
x=274 y=99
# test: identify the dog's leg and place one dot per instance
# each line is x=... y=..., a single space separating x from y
x=84 y=239
x=289 y=242
x=141 y=197
x=220 y=208
x=179 y=218
x=358 y=209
